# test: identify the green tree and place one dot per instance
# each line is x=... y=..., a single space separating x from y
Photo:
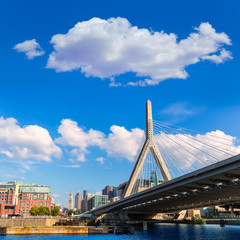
x=34 y=211
x=55 y=211
x=71 y=212
x=44 y=211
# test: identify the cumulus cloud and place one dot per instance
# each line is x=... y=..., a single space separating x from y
x=182 y=152
x=31 y=48
x=100 y=160
x=75 y=136
x=107 y=48
x=222 y=57
x=28 y=142
x=119 y=143
x=123 y=143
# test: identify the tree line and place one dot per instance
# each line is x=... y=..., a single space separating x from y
x=44 y=211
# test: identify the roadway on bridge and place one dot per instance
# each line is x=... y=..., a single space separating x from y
x=217 y=184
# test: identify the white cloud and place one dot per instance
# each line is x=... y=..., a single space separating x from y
x=224 y=56
x=182 y=153
x=28 y=142
x=55 y=195
x=123 y=143
x=69 y=166
x=31 y=48
x=14 y=176
x=108 y=48
x=119 y=143
x=179 y=111
x=100 y=160
x=75 y=136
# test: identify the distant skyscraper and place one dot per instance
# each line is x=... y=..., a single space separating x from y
x=78 y=201
x=115 y=192
x=85 y=192
x=108 y=190
x=70 y=201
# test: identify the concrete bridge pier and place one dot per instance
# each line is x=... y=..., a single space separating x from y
x=232 y=210
x=118 y=217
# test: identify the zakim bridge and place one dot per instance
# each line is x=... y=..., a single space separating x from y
x=179 y=169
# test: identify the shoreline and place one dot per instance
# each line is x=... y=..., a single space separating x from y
x=91 y=230
x=55 y=230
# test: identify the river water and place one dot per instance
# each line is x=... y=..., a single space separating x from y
x=158 y=231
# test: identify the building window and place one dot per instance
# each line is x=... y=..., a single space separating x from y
x=35 y=196
x=41 y=196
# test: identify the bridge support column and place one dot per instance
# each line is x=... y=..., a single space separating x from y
x=181 y=215
x=123 y=216
x=144 y=226
x=232 y=210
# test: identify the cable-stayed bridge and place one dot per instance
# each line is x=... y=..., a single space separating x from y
x=179 y=169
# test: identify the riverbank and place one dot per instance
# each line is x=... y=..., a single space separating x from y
x=71 y=230
x=207 y=221
x=226 y=221
x=29 y=222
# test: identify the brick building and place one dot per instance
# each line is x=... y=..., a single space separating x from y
x=19 y=197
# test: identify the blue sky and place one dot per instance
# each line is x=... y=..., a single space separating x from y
x=188 y=86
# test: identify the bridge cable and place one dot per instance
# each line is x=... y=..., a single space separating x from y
x=204 y=143
x=191 y=146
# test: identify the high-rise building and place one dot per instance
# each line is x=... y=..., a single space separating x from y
x=70 y=201
x=108 y=190
x=115 y=192
x=87 y=201
x=19 y=197
x=78 y=201
x=83 y=206
x=84 y=203
x=85 y=192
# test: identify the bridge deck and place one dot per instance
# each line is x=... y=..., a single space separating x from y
x=216 y=184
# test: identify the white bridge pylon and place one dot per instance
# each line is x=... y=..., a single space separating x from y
x=149 y=145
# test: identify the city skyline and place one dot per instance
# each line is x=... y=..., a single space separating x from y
x=73 y=95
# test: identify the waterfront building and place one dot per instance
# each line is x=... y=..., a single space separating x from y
x=98 y=201
x=78 y=201
x=19 y=197
x=70 y=201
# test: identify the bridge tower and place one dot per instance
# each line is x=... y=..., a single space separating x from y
x=149 y=145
